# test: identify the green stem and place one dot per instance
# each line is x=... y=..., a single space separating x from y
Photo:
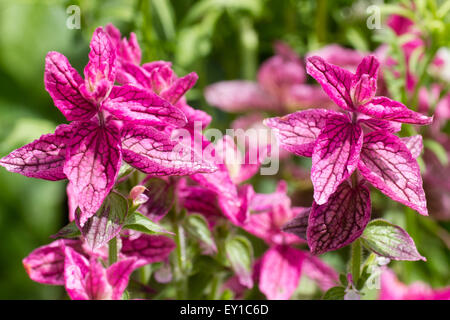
x=112 y=251
x=355 y=262
x=321 y=20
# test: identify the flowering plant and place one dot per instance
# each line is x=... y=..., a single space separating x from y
x=293 y=202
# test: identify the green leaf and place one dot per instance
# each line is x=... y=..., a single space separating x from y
x=390 y=241
x=69 y=231
x=107 y=222
x=197 y=226
x=335 y=293
x=138 y=222
x=239 y=252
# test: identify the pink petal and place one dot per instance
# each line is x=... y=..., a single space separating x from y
x=118 y=276
x=179 y=87
x=364 y=84
x=198 y=199
x=43 y=158
x=335 y=81
x=261 y=226
x=315 y=269
x=236 y=96
x=161 y=198
x=46 y=264
x=62 y=83
x=281 y=268
x=92 y=165
x=142 y=106
x=279 y=72
x=76 y=268
x=388 y=165
x=96 y=284
x=339 y=221
x=151 y=151
x=343 y=57
x=129 y=73
x=386 y=109
x=100 y=72
x=414 y=145
x=301 y=96
x=375 y=124
x=193 y=116
x=299 y=224
x=335 y=156
x=297 y=132
x=147 y=248
x=130 y=50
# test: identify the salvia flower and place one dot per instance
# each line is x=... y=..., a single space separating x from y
x=108 y=124
x=361 y=137
x=282 y=265
x=72 y=263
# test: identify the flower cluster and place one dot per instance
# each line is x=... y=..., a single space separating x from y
x=141 y=170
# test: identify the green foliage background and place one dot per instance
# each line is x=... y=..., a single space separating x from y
x=219 y=39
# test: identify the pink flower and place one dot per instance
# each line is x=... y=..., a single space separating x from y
x=282 y=265
x=89 y=151
x=393 y=289
x=72 y=263
x=221 y=189
x=157 y=77
x=359 y=138
x=280 y=87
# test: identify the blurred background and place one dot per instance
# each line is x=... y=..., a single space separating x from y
x=218 y=39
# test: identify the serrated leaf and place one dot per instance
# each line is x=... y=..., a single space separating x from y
x=138 y=222
x=197 y=226
x=390 y=241
x=107 y=222
x=239 y=252
x=335 y=293
x=68 y=231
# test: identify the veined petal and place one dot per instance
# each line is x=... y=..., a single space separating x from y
x=63 y=83
x=414 y=145
x=238 y=95
x=147 y=248
x=335 y=156
x=46 y=264
x=388 y=165
x=297 y=132
x=339 y=221
x=386 y=109
x=76 y=268
x=118 y=276
x=335 y=81
x=43 y=158
x=369 y=65
x=92 y=165
x=142 y=106
x=375 y=124
x=280 y=272
x=179 y=87
x=198 y=199
x=364 y=83
x=96 y=283
x=152 y=152
x=100 y=72
x=129 y=73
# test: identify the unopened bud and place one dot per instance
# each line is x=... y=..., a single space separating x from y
x=137 y=195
